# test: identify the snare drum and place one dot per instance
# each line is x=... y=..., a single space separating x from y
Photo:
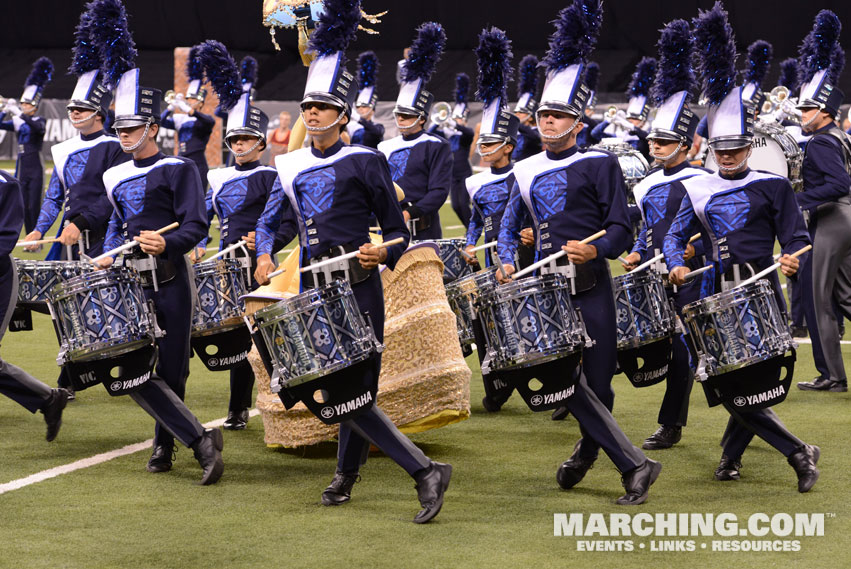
x=218 y=307
x=454 y=265
x=101 y=314
x=529 y=322
x=462 y=295
x=633 y=164
x=643 y=312
x=315 y=334
x=737 y=328
x=37 y=278
x=775 y=151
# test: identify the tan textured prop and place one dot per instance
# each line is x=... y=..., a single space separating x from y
x=181 y=82
x=424 y=383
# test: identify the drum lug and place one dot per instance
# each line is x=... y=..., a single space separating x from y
x=158 y=332
x=680 y=327
x=486 y=364
x=700 y=373
x=588 y=340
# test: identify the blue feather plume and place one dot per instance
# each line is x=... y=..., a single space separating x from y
x=194 y=69
x=462 y=88
x=642 y=78
x=760 y=53
x=336 y=27
x=789 y=74
x=367 y=69
x=85 y=56
x=493 y=55
x=425 y=52
x=248 y=70
x=816 y=52
x=221 y=71
x=674 y=72
x=592 y=75
x=111 y=34
x=42 y=72
x=528 y=71
x=577 y=28
x=837 y=65
x=716 y=50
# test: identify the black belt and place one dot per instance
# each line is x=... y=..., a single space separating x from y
x=584 y=278
x=351 y=269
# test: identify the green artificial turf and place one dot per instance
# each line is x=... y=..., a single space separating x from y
x=499 y=509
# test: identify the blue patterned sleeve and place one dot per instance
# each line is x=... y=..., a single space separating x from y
x=7 y=125
x=52 y=204
x=474 y=231
x=510 y=226
x=640 y=245
x=166 y=120
x=597 y=133
x=211 y=213
x=684 y=226
x=267 y=225
x=113 y=237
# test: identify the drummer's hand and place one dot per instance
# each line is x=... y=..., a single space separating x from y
x=579 y=253
x=406 y=215
x=104 y=263
x=677 y=274
x=789 y=265
x=369 y=256
x=197 y=254
x=33 y=236
x=264 y=267
x=688 y=253
x=151 y=242
x=632 y=260
x=471 y=260
x=249 y=241
x=527 y=237
x=70 y=235
x=508 y=270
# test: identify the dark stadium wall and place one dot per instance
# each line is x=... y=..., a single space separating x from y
x=630 y=30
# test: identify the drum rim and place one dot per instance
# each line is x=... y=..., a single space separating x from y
x=220 y=265
x=552 y=282
x=107 y=349
x=282 y=308
x=696 y=308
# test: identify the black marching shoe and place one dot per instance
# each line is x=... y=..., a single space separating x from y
x=574 y=468
x=560 y=414
x=665 y=437
x=823 y=384
x=236 y=420
x=52 y=411
x=161 y=459
x=432 y=483
x=804 y=462
x=728 y=469
x=799 y=332
x=637 y=483
x=208 y=453
x=340 y=490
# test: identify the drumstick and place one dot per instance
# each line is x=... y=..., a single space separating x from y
x=274 y=274
x=36 y=242
x=485 y=246
x=647 y=263
x=691 y=274
x=773 y=267
x=554 y=256
x=132 y=244
x=463 y=252
x=349 y=255
x=623 y=260
x=694 y=237
x=227 y=250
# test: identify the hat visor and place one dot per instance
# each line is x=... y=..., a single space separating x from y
x=660 y=134
x=808 y=104
x=405 y=110
x=245 y=131
x=730 y=142
x=559 y=107
x=491 y=138
x=326 y=98
x=81 y=104
x=131 y=121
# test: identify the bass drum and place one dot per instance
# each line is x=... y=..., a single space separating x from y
x=775 y=151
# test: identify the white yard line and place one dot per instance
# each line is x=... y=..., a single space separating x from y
x=93 y=460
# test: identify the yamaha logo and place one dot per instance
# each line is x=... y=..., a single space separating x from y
x=115 y=386
x=739 y=401
x=327 y=412
x=537 y=400
x=213 y=362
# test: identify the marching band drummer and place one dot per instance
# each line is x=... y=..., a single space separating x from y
x=238 y=194
x=659 y=196
x=15 y=383
x=364 y=129
x=742 y=211
x=528 y=140
x=150 y=191
x=420 y=163
x=29 y=131
x=335 y=188
x=572 y=195
x=193 y=127
x=488 y=191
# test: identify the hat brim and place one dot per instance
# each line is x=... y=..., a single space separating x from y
x=131 y=122
x=571 y=110
x=666 y=135
x=403 y=110
x=326 y=98
x=245 y=131
x=730 y=143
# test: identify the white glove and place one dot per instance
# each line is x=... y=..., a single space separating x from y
x=182 y=105
x=621 y=122
x=170 y=107
x=15 y=110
